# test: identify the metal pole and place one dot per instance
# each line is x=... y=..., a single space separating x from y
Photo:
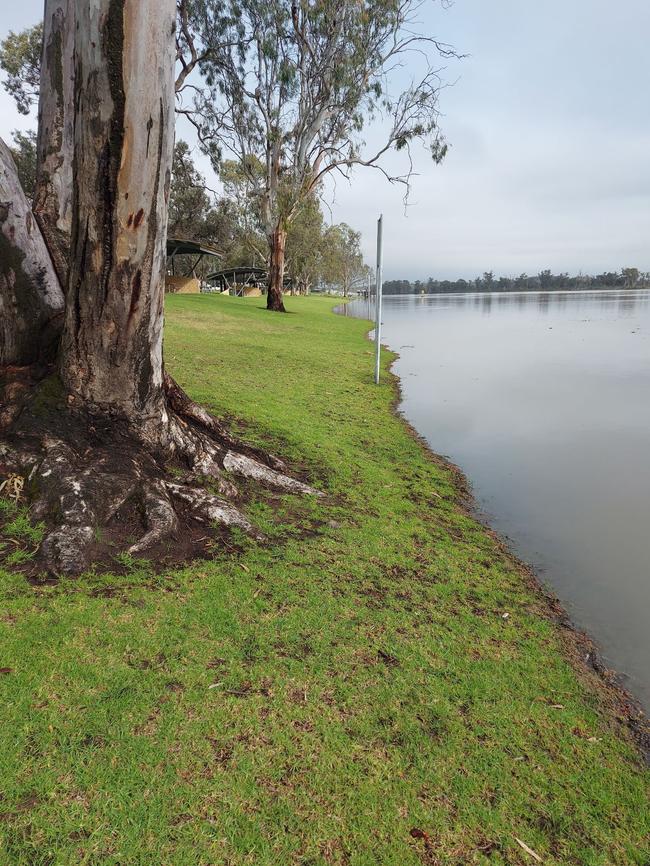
x=378 y=291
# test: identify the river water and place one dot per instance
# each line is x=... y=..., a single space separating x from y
x=543 y=399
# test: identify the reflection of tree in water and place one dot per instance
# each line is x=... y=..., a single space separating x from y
x=486 y=304
x=628 y=303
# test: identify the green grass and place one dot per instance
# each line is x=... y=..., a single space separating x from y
x=312 y=700
x=19 y=537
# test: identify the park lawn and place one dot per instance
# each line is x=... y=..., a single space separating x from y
x=347 y=692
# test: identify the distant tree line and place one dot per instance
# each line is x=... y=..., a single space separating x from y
x=546 y=281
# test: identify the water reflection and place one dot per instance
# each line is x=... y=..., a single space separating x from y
x=542 y=398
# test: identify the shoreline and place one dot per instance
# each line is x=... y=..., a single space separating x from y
x=581 y=649
x=377 y=681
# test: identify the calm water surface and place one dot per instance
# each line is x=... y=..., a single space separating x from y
x=544 y=401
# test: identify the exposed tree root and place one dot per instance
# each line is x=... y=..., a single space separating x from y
x=184 y=407
x=207 y=507
x=87 y=467
x=160 y=518
x=246 y=467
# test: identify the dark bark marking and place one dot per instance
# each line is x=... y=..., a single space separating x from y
x=46 y=204
x=135 y=296
x=108 y=182
x=149 y=128
x=54 y=52
x=129 y=222
x=168 y=183
x=146 y=368
x=113 y=46
x=138 y=219
x=80 y=276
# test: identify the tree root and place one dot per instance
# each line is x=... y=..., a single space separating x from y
x=201 y=440
x=211 y=508
x=160 y=517
x=85 y=470
x=184 y=407
x=246 y=467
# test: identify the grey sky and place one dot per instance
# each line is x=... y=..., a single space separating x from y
x=549 y=122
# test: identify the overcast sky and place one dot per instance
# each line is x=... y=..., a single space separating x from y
x=549 y=121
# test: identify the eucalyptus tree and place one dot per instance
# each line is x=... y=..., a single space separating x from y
x=343 y=260
x=87 y=410
x=292 y=85
x=21 y=54
x=306 y=245
x=250 y=246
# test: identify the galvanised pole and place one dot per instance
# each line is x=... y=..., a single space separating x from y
x=378 y=290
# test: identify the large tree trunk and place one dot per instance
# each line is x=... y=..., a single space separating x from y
x=53 y=196
x=31 y=300
x=277 y=246
x=124 y=135
x=103 y=443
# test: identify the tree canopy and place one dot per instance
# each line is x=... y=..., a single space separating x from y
x=20 y=60
x=291 y=87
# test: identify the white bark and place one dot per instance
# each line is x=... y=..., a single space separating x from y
x=205 y=506
x=53 y=197
x=240 y=464
x=30 y=295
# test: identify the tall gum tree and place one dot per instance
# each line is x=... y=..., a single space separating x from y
x=101 y=428
x=124 y=104
x=291 y=86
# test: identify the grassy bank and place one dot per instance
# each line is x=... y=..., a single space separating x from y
x=351 y=692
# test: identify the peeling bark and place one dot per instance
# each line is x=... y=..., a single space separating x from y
x=53 y=196
x=31 y=300
x=277 y=242
x=124 y=134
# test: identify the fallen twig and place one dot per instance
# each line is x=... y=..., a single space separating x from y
x=528 y=850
